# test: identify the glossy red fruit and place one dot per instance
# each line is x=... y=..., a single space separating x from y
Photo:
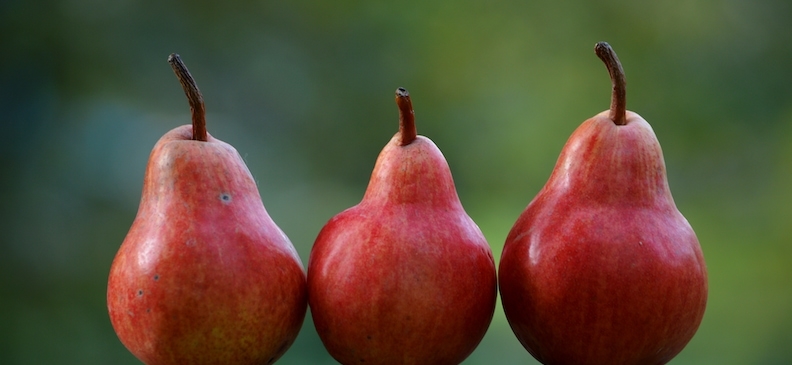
x=601 y=267
x=404 y=277
x=204 y=275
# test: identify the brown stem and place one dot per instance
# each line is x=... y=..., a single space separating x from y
x=406 y=117
x=618 y=108
x=194 y=96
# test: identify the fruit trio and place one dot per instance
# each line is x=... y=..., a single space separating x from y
x=600 y=268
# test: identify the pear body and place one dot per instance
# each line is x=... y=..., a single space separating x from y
x=601 y=267
x=204 y=275
x=405 y=276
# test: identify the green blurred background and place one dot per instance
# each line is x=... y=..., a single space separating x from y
x=304 y=91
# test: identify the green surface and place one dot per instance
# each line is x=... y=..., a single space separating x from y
x=304 y=90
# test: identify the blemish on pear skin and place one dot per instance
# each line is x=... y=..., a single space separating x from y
x=140 y=292
x=156 y=277
x=225 y=198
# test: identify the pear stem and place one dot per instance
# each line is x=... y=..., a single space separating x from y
x=406 y=117
x=618 y=108
x=194 y=97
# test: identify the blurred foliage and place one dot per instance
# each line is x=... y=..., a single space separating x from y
x=304 y=90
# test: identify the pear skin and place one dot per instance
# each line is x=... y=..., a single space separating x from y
x=405 y=276
x=204 y=275
x=601 y=267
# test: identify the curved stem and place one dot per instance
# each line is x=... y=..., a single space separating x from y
x=194 y=96
x=618 y=108
x=406 y=117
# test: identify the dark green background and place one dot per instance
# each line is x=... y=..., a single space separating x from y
x=304 y=91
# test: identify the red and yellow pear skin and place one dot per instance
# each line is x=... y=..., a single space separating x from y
x=204 y=276
x=406 y=276
x=601 y=267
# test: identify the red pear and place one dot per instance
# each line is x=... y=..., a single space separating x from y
x=601 y=267
x=405 y=276
x=204 y=275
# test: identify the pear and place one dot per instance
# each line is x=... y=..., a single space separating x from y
x=204 y=276
x=405 y=276
x=601 y=267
